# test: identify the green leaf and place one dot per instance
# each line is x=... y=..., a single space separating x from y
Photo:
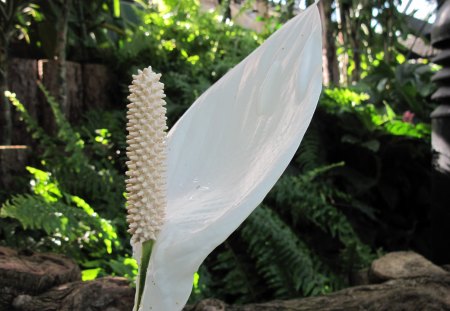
x=116 y=8
x=90 y=274
x=373 y=145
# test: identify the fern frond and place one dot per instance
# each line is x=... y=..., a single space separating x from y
x=68 y=224
x=311 y=153
x=236 y=282
x=303 y=199
x=32 y=126
x=284 y=261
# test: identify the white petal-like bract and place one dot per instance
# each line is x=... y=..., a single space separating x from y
x=229 y=149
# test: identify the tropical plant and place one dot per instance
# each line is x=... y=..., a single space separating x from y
x=213 y=185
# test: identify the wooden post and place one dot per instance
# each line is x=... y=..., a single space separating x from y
x=97 y=86
x=13 y=160
x=5 y=107
x=22 y=75
x=74 y=84
x=440 y=139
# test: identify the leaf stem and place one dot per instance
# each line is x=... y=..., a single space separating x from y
x=147 y=247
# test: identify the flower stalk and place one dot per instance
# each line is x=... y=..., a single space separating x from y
x=146 y=182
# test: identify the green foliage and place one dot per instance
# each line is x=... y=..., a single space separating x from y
x=235 y=273
x=303 y=199
x=104 y=132
x=15 y=17
x=354 y=110
x=94 y=28
x=192 y=49
x=73 y=143
x=387 y=167
x=68 y=221
x=369 y=33
x=36 y=131
x=407 y=86
x=56 y=217
x=96 y=177
x=311 y=154
x=284 y=261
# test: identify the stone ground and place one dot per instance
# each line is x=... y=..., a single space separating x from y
x=49 y=282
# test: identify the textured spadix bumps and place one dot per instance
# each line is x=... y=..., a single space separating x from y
x=146 y=183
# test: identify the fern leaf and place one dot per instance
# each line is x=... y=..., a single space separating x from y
x=284 y=261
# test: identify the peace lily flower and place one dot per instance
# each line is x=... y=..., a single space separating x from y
x=190 y=190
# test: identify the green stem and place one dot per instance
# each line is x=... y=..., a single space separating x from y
x=147 y=247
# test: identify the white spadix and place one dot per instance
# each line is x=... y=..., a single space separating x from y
x=227 y=151
x=146 y=151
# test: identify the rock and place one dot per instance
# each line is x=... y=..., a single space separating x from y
x=416 y=294
x=32 y=273
x=208 y=305
x=415 y=285
x=402 y=265
x=103 y=294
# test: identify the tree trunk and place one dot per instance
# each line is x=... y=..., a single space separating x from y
x=60 y=55
x=262 y=7
x=331 y=68
x=355 y=46
x=387 y=32
x=343 y=8
x=350 y=30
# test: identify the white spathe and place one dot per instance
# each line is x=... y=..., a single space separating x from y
x=228 y=150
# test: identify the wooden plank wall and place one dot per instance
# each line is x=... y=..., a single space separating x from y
x=89 y=86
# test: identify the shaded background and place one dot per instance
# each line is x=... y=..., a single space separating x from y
x=359 y=185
